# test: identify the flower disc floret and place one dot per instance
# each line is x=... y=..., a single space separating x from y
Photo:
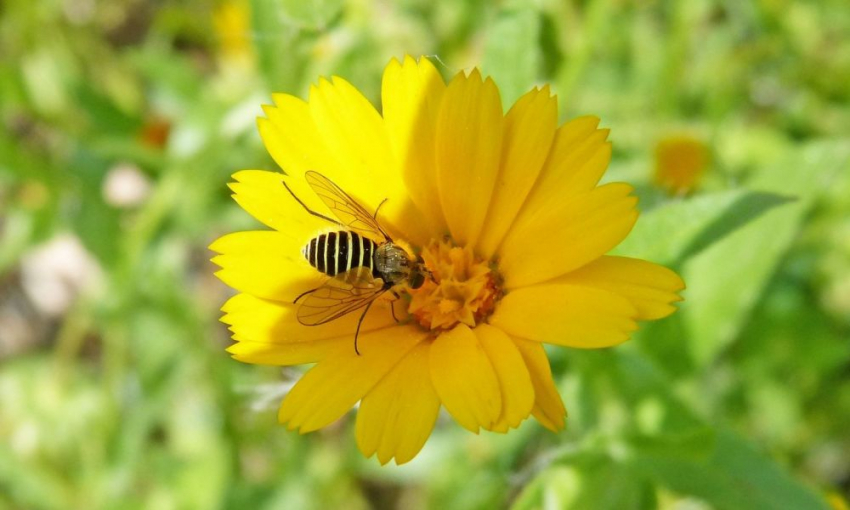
x=464 y=288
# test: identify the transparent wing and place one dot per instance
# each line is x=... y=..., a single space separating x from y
x=339 y=296
x=351 y=214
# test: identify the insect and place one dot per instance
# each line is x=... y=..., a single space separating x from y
x=361 y=259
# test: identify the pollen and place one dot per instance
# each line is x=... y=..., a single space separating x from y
x=463 y=288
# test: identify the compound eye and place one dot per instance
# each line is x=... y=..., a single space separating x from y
x=417 y=279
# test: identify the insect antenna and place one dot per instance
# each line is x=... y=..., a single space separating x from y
x=314 y=213
x=359 y=323
x=375 y=217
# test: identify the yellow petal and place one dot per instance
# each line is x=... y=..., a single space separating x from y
x=577 y=159
x=289 y=354
x=264 y=196
x=294 y=142
x=469 y=144
x=362 y=146
x=292 y=138
x=464 y=378
x=566 y=315
x=268 y=332
x=335 y=384
x=260 y=320
x=396 y=417
x=267 y=264
x=554 y=241
x=343 y=115
x=513 y=376
x=411 y=93
x=295 y=134
x=529 y=129
x=650 y=288
x=548 y=407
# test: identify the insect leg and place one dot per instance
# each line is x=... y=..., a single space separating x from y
x=392 y=310
x=359 y=323
x=392 y=305
x=314 y=213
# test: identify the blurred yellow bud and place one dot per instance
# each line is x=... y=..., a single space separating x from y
x=836 y=501
x=680 y=162
x=232 y=23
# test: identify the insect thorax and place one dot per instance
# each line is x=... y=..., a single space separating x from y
x=392 y=262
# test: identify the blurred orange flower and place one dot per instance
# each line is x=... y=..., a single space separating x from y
x=680 y=162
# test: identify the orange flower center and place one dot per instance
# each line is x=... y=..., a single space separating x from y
x=464 y=288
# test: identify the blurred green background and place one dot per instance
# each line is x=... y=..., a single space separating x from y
x=122 y=121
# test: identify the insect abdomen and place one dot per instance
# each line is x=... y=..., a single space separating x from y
x=337 y=252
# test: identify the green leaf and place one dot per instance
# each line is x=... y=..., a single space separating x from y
x=734 y=475
x=512 y=53
x=32 y=484
x=595 y=482
x=726 y=279
x=695 y=445
x=316 y=14
x=94 y=221
x=676 y=231
x=280 y=44
x=739 y=213
x=642 y=390
x=662 y=343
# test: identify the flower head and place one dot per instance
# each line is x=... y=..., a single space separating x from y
x=502 y=210
x=680 y=162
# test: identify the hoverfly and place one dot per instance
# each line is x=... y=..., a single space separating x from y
x=361 y=259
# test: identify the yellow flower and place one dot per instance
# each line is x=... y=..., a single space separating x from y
x=232 y=24
x=504 y=210
x=836 y=501
x=680 y=162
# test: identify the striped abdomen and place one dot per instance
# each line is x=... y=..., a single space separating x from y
x=338 y=252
